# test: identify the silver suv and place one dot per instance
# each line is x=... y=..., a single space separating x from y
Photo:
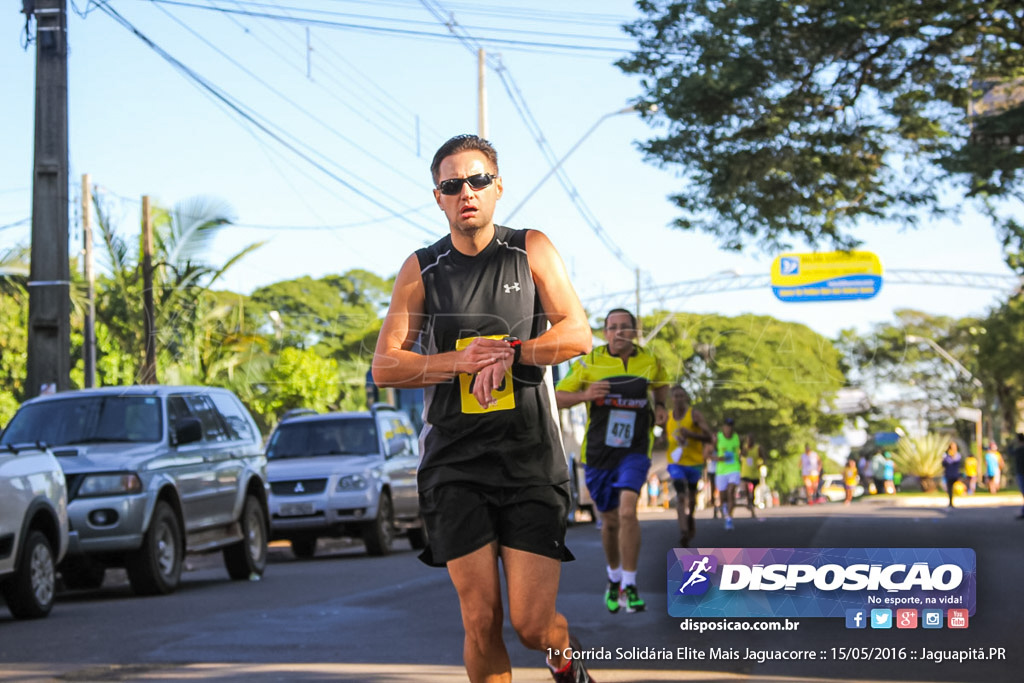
x=345 y=474
x=153 y=472
x=33 y=528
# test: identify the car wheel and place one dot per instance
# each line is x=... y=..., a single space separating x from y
x=248 y=557
x=304 y=547
x=418 y=536
x=155 y=568
x=30 y=592
x=379 y=534
x=82 y=573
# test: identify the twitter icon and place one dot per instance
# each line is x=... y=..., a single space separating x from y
x=881 y=618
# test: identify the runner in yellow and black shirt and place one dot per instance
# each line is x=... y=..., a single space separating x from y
x=616 y=381
x=687 y=432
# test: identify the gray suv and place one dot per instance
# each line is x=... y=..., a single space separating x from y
x=345 y=474
x=153 y=472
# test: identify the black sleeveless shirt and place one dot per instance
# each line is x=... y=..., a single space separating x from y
x=518 y=441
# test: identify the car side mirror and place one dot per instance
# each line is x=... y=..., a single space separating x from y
x=187 y=430
x=395 y=446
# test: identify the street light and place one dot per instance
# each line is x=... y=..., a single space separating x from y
x=961 y=412
x=914 y=339
x=558 y=164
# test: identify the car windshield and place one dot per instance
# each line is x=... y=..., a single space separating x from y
x=350 y=436
x=87 y=419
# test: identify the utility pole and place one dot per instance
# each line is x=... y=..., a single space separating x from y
x=49 y=304
x=148 y=314
x=89 y=333
x=481 y=82
x=639 y=324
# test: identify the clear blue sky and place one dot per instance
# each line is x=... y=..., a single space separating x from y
x=138 y=126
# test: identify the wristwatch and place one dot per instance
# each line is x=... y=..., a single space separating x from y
x=517 y=348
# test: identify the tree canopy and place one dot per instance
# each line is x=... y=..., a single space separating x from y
x=797 y=119
x=775 y=378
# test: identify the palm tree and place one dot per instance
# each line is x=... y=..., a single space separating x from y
x=922 y=457
x=182 y=278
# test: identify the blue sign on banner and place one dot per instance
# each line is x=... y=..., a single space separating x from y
x=818 y=582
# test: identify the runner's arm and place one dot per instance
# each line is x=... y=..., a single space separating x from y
x=704 y=431
x=569 y=335
x=396 y=365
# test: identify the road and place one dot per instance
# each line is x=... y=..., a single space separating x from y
x=346 y=616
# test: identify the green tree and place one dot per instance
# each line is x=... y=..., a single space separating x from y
x=299 y=378
x=799 y=119
x=914 y=379
x=775 y=378
x=998 y=358
x=334 y=313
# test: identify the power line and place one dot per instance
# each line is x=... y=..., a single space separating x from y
x=302 y=110
x=360 y=112
x=23 y=221
x=507 y=42
x=237 y=109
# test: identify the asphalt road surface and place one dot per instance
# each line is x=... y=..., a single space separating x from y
x=346 y=616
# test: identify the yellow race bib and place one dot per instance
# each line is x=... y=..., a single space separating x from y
x=506 y=399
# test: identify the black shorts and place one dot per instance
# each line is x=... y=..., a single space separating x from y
x=462 y=517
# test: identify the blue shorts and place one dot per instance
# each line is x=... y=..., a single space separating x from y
x=691 y=474
x=604 y=485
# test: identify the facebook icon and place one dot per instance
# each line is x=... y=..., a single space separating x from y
x=856 y=618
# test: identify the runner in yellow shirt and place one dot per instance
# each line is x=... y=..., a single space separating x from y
x=687 y=433
x=750 y=470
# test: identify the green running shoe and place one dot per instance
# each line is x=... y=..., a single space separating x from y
x=632 y=600
x=611 y=597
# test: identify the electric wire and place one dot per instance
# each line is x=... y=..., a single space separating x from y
x=507 y=42
x=302 y=110
x=238 y=110
x=399 y=127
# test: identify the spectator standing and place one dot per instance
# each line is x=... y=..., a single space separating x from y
x=850 y=479
x=878 y=471
x=890 y=474
x=994 y=468
x=971 y=473
x=810 y=468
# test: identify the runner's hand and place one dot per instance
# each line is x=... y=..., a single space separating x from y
x=488 y=380
x=483 y=352
x=597 y=390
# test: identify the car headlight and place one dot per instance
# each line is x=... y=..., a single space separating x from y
x=352 y=482
x=110 y=484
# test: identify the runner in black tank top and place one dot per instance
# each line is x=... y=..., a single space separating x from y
x=490 y=294
x=490 y=308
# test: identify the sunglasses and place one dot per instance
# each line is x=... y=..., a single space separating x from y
x=477 y=182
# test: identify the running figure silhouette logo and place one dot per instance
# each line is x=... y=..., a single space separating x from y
x=696 y=581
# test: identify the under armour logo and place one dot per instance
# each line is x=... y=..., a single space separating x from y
x=514 y=287
x=299 y=488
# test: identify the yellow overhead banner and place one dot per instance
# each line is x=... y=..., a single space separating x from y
x=826 y=276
